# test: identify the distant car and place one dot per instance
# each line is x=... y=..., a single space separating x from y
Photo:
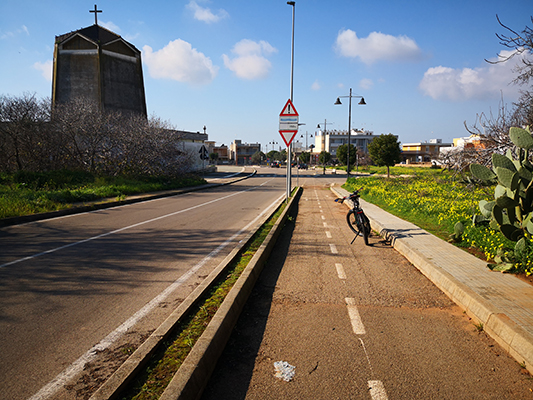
x=302 y=166
x=274 y=165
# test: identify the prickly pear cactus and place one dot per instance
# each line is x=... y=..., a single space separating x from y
x=512 y=209
x=457 y=234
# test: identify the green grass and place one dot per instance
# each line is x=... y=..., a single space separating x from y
x=433 y=200
x=26 y=193
x=152 y=382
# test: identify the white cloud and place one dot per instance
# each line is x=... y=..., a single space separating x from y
x=205 y=14
x=316 y=86
x=250 y=61
x=376 y=47
x=45 y=68
x=21 y=30
x=109 y=25
x=180 y=62
x=488 y=81
x=366 y=83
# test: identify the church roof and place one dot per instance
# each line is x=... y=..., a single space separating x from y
x=95 y=33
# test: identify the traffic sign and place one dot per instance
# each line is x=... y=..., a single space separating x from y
x=203 y=153
x=288 y=122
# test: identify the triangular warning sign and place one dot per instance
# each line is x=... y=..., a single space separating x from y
x=288 y=109
x=287 y=137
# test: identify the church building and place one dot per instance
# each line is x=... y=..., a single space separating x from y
x=99 y=65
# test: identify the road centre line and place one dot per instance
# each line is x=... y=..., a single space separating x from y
x=355 y=318
x=124 y=228
x=328 y=234
x=77 y=366
x=323 y=217
x=325 y=224
x=333 y=249
x=340 y=271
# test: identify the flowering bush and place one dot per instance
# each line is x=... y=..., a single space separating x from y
x=436 y=203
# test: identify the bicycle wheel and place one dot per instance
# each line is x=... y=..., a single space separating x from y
x=352 y=221
x=364 y=223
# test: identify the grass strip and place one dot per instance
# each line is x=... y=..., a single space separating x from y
x=162 y=367
x=26 y=193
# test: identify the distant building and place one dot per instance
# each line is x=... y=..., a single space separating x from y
x=332 y=139
x=241 y=153
x=99 y=65
x=422 y=151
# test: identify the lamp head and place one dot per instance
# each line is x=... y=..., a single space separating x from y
x=291 y=3
x=338 y=102
x=362 y=102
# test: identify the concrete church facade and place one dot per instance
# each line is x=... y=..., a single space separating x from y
x=99 y=65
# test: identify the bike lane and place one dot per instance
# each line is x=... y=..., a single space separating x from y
x=355 y=322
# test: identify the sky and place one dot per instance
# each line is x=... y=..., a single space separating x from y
x=226 y=64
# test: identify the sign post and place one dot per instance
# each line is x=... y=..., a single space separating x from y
x=288 y=128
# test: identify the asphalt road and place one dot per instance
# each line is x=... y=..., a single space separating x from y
x=356 y=322
x=86 y=289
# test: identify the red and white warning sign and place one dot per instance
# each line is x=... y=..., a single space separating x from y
x=288 y=122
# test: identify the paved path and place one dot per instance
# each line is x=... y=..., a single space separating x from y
x=407 y=340
x=501 y=302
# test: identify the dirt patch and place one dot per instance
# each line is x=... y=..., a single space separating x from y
x=96 y=372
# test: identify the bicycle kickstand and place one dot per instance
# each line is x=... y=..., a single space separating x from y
x=353 y=240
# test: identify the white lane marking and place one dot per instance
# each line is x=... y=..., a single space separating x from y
x=323 y=217
x=340 y=271
x=122 y=229
x=325 y=224
x=333 y=249
x=355 y=318
x=77 y=366
x=377 y=390
x=328 y=234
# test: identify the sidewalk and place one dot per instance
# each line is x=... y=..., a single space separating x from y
x=501 y=302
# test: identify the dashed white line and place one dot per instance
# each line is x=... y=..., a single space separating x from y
x=323 y=217
x=355 y=318
x=325 y=224
x=340 y=271
x=328 y=234
x=333 y=249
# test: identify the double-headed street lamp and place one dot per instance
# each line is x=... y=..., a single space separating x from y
x=362 y=103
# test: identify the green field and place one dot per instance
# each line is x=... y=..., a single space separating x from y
x=435 y=200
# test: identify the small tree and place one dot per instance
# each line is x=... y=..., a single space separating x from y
x=385 y=150
x=213 y=157
x=342 y=154
x=305 y=157
x=323 y=159
x=257 y=157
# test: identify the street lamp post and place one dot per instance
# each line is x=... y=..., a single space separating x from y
x=362 y=103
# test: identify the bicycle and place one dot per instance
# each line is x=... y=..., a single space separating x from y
x=356 y=218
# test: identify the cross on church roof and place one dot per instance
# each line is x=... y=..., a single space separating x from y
x=95 y=11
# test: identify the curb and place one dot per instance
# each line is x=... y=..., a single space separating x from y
x=513 y=338
x=103 y=204
x=191 y=378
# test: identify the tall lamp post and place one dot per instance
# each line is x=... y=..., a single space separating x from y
x=362 y=103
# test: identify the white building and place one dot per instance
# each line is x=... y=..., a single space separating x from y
x=332 y=139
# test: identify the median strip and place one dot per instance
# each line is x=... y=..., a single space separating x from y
x=178 y=358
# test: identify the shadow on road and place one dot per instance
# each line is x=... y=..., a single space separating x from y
x=233 y=372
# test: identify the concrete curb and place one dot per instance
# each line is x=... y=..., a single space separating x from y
x=513 y=338
x=194 y=373
x=100 y=205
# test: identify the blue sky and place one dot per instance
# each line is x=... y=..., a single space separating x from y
x=226 y=64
